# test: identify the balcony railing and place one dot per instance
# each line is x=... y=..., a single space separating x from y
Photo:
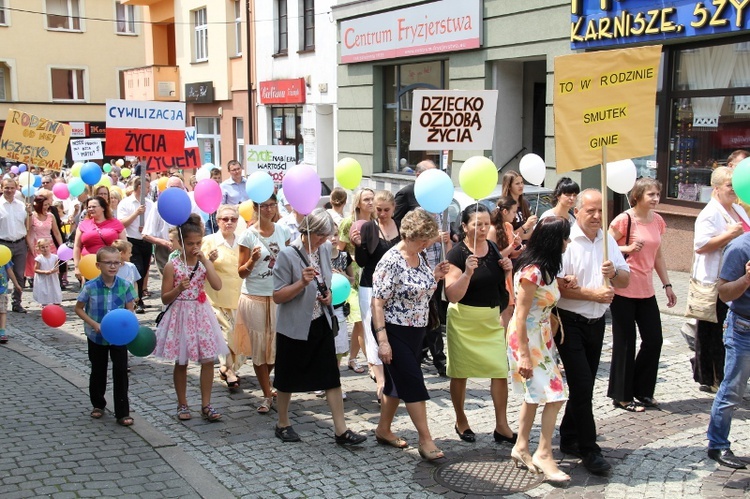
x=157 y=83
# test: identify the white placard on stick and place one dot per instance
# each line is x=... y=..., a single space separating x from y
x=86 y=149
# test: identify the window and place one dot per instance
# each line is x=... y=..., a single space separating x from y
x=208 y=135
x=67 y=84
x=201 y=34
x=282 y=27
x=125 y=18
x=287 y=128
x=237 y=27
x=239 y=138
x=63 y=15
x=3 y=14
x=308 y=25
x=4 y=73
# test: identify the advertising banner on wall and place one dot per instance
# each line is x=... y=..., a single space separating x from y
x=605 y=99
x=145 y=128
x=86 y=149
x=274 y=160
x=453 y=119
x=34 y=140
x=190 y=158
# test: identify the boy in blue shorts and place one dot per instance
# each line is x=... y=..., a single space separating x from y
x=4 y=274
x=99 y=296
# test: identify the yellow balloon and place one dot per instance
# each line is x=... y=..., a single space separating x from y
x=162 y=183
x=478 y=177
x=348 y=173
x=105 y=181
x=117 y=189
x=246 y=210
x=125 y=172
x=88 y=267
x=5 y=255
x=75 y=171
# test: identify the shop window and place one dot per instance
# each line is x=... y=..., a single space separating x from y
x=282 y=27
x=400 y=83
x=63 y=15
x=308 y=25
x=237 y=27
x=125 y=18
x=287 y=128
x=200 y=22
x=208 y=135
x=67 y=84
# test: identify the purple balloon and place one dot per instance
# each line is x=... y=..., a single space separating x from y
x=14 y=170
x=302 y=188
x=65 y=253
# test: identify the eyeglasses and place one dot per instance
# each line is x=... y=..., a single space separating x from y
x=110 y=264
x=268 y=206
x=235 y=170
x=229 y=219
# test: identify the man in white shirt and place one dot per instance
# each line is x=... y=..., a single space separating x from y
x=233 y=189
x=14 y=225
x=156 y=230
x=582 y=311
x=129 y=212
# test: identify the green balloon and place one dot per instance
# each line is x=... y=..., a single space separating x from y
x=144 y=343
x=741 y=180
x=107 y=167
x=478 y=177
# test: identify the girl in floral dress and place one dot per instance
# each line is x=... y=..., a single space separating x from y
x=189 y=329
x=531 y=348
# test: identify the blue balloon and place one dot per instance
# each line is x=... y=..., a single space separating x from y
x=91 y=173
x=28 y=191
x=119 y=327
x=174 y=206
x=259 y=187
x=37 y=180
x=340 y=289
x=434 y=190
x=21 y=168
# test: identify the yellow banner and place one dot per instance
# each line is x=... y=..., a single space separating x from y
x=605 y=98
x=34 y=140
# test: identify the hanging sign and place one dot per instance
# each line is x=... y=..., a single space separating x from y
x=145 y=128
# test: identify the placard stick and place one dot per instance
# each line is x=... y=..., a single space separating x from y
x=142 y=200
x=605 y=239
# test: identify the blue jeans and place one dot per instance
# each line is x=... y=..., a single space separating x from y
x=736 y=374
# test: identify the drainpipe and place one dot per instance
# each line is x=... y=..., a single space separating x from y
x=249 y=32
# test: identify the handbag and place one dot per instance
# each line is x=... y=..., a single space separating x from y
x=323 y=290
x=161 y=314
x=627 y=235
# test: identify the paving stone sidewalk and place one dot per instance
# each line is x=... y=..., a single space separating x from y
x=656 y=454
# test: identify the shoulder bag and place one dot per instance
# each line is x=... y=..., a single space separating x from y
x=323 y=290
x=161 y=314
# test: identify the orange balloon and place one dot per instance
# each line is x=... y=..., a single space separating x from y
x=88 y=267
x=246 y=210
x=162 y=183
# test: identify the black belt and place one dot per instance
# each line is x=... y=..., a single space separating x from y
x=12 y=242
x=577 y=317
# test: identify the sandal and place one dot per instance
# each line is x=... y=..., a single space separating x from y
x=648 y=402
x=630 y=406
x=183 y=413
x=126 y=421
x=223 y=374
x=210 y=414
x=96 y=413
x=355 y=366
x=146 y=293
x=265 y=407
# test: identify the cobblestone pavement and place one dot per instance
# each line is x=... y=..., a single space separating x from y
x=656 y=454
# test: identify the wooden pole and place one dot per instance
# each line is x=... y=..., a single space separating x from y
x=605 y=239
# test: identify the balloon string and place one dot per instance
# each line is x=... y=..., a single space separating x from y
x=475 y=227
x=309 y=243
x=536 y=210
x=442 y=243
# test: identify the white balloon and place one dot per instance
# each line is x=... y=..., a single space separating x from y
x=209 y=166
x=120 y=162
x=202 y=174
x=533 y=169
x=621 y=175
x=25 y=178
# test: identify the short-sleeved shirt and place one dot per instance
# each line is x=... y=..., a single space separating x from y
x=406 y=290
x=126 y=208
x=260 y=280
x=641 y=263
x=488 y=280
x=4 y=269
x=129 y=272
x=736 y=256
x=95 y=236
x=100 y=299
x=233 y=192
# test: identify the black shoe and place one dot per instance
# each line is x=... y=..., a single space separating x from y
x=19 y=309
x=287 y=434
x=350 y=438
x=442 y=373
x=500 y=438
x=648 y=402
x=139 y=309
x=725 y=457
x=596 y=464
x=467 y=435
x=571 y=450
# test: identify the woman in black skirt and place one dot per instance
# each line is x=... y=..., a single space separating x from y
x=402 y=286
x=305 y=352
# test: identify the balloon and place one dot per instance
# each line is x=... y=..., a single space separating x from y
x=741 y=180
x=125 y=172
x=25 y=178
x=120 y=162
x=207 y=195
x=28 y=191
x=76 y=186
x=434 y=190
x=356 y=226
x=119 y=326
x=22 y=168
x=14 y=170
x=91 y=173
x=202 y=174
x=105 y=181
x=302 y=188
x=60 y=190
x=340 y=289
x=478 y=177
x=53 y=315
x=209 y=166
x=204 y=216
x=75 y=170
x=37 y=180
x=107 y=167
x=533 y=169
x=259 y=186
x=621 y=175
x=348 y=173
x=174 y=206
x=161 y=184
x=246 y=210
x=116 y=188
x=5 y=254
x=144 y=342
x=88 y=268
x=64 y=253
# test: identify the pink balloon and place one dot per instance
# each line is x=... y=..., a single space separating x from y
x=302 y=188
x=207 y=195
x=356 y=226
x=61 y=191
x=64 y=253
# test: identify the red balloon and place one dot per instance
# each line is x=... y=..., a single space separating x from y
x=53 y=315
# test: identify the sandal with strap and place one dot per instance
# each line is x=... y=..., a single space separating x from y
x=210 y=414
x=96 y=413
x=630 y=406
x=183 y=413
x=126 y=421
x=265 y=407
x=355 y=366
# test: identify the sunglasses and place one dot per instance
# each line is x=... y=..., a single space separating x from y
x=228 y=219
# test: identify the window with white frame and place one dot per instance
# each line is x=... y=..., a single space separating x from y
x=125 y=18
x=3 y=13
x=308 y=25
x=67 y=84
x=282 y=27
x=237 y=27
x=200 y=21
x=4 y=78
x=239 y=139
x=63 y=15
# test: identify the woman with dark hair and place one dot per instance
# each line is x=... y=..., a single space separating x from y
x=531 y=349
x=475 y=288
x=565 y=195
x=509 y=243
x=99 y=229
x=525 y=221
x=42 y=226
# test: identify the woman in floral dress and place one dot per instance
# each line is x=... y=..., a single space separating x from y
x=531 y=349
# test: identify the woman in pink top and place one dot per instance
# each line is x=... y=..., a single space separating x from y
x=43 y=226
x=98 y=230
x=638 y=232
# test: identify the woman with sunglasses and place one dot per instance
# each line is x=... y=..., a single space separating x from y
x=222 y=249
x=255 y=331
